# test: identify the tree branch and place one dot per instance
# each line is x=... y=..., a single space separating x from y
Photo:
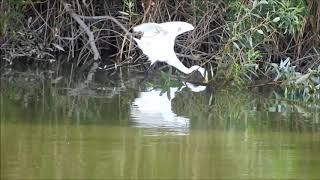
x=76 y=17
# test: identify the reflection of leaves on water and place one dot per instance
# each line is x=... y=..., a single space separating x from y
x=234 y=109
x=294 y=102
x=226 y=109
x=166 y=90
x=167 y=84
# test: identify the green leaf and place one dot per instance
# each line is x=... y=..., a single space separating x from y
x=236 y=45
x=169 y=94
x=303 y=78
x=260 y=31
x=276 y=68
x=277 y=19
x=58 y=46
x=263 y=2
x=164 y=75
x=250 y=42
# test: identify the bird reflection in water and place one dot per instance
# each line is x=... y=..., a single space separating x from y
x=153 y=110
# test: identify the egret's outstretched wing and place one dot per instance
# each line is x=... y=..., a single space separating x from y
x=149 y=30
x=172 y=29
x=176 y=28
x=154 y=41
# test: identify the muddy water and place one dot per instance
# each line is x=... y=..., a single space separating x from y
x=134 y=131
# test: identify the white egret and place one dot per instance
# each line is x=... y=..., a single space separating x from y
x=157 y=42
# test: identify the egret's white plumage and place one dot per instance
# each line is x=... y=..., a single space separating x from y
x=157 y=42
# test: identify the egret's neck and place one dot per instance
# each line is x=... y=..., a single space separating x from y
x=178 y=64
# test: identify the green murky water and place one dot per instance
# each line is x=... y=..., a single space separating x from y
x=128 y=130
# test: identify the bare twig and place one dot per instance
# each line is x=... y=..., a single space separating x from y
x=107 y=18
x=76 y=17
